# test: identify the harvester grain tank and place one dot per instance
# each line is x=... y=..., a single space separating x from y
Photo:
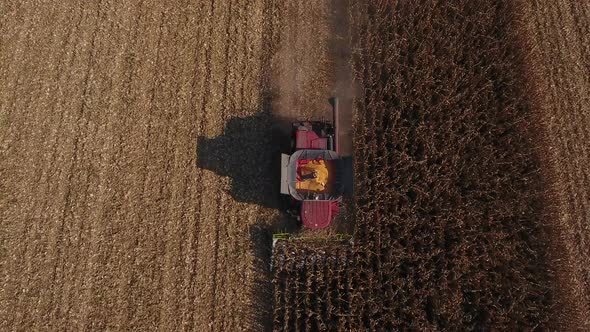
x=314 y=175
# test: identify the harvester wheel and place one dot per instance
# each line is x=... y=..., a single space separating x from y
x=292 y=213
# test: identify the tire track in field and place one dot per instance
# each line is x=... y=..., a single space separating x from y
x=9 y=40
x=31 y=257
x=96 y=273
x=170 y=94
x=192 y=258
x=212 y=196
x=125 y=194
x=150 y=196
x=223 y=208
x=7 y=10
x=35 y=251
x=55 y=134
x=19 y=59
x=140 y=261
x=91 y=217
x=89 y=180
x=90 y=186
x=79 y=145
x=163 y=125
x=205 y=92
x=34 y=212
x=80 y=187
x=564 y=296
x=180 y=213
x=31 y=130
x=16 y=183
x=579 y=16
x=129 y=156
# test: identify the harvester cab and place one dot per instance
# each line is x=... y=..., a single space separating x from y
x=314 y=175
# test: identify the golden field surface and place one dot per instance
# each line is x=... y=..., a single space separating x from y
x=108 y=222
x=138 y=148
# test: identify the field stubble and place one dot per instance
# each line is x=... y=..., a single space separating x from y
x=107 y=220
x=109 y=223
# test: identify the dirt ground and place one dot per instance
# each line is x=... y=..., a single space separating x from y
x=558 y=46
x=136 y=144
x=112 y=218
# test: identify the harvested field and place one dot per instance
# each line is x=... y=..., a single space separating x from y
x=108 y=222
x=133 y=138
x=138 y=187
x=558 y=64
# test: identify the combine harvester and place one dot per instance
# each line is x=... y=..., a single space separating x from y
x=314 y=176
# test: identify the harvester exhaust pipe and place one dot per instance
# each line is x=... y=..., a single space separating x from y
x=336 y=118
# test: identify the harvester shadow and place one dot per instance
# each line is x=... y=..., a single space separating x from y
x=248 y=152
x=261 y=239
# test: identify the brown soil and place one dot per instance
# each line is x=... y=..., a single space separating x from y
x=556 y=37
x=137 y=191
x=107 y=220
x=137 y=187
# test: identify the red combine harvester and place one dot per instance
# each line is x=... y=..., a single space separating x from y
x=312 y=174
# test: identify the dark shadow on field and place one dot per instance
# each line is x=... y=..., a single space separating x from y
x=263 y=291
x=248 y=152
